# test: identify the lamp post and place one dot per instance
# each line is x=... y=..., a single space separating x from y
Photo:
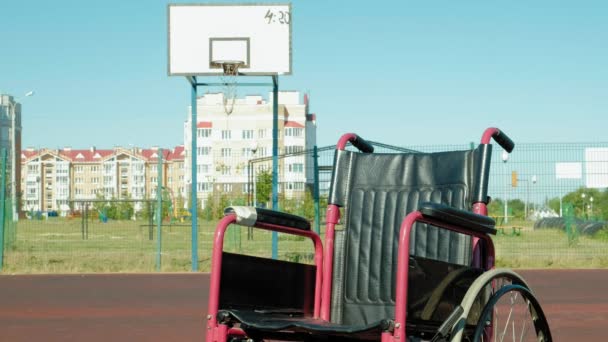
x=584 y=205
x=13 y=186
x=528 y=181
x=587 y=207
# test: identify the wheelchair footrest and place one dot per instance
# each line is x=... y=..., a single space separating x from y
x=256 y=322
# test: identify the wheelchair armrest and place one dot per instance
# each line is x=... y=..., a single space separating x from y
x=249 y=216
x=462 y=218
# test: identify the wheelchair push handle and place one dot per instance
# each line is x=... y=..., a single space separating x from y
x=360 y=143
x=500 y=137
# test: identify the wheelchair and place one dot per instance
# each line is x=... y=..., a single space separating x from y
x=408 y=256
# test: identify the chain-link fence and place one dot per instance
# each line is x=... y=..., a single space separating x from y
x=549 y=201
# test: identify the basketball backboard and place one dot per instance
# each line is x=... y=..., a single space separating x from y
x=201 y=35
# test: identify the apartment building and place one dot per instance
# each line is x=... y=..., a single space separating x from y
x=52 y=179
x=226 y=144
x=10 y=140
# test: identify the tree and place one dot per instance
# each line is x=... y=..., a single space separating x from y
x=264 y=186
x=582 y=205
x=518 y=208
x=496 y=207
x=554 y=204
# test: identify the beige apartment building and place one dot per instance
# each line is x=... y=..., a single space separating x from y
x=53 y=179
x=227 y=142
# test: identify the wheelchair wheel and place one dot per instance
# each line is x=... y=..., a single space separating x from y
x=492 y=292
x=512 y=314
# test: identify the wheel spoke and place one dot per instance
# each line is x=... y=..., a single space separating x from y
x=504 y=331
x=523 y=330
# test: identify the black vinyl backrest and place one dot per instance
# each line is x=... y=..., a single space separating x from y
x=377 y=191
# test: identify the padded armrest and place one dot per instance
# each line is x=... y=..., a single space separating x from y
x=462 y=218
x=249 y=216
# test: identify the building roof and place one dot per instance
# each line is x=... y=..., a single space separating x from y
x=178 y=153
x=151 y=154
x=95 y=155
x=85 y=156
x=204 y=124
x=293 y=124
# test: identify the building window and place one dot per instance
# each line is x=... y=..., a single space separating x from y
x=204 y=150
x=78 y=169
x=226 y=134
x=204 y=132
x=294 y=132
x=227 y=187
x=293 y=149
x=204 y=186
x=295 y=186
x=226 y=152
x=78 y=180
x=261 y=133
x=248 y=134
x=263 y=152
x=225 y=170
x=296 y=168
x=247 y=152
x=153 y=179
x=203 y=168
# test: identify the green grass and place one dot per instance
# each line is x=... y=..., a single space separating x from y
x=56 y=246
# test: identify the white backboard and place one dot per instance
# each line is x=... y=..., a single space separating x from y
x=257 y=34
x=596 y=167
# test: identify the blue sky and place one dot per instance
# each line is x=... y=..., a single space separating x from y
x=399 y=72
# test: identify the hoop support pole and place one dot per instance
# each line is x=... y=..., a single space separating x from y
x=275 y=159
x=194 y=206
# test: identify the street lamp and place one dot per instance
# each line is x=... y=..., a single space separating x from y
x=12 y=107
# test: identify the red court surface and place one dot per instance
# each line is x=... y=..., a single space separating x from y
x=171 y=307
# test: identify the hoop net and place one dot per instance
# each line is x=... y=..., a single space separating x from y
x=229 y=79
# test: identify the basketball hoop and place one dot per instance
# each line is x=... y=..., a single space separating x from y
x=229 y=79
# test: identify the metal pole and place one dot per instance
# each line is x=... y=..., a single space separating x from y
x=506 y=219
x=315 y=157
x=14 y=152
x=159 y=209
x=2 y=203
x=194 y=208
x=275 y=158
x=527 y=199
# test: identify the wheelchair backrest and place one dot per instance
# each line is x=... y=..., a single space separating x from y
x=376 y=192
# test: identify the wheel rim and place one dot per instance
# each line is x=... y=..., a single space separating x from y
x=512 y=314
x=478 y=295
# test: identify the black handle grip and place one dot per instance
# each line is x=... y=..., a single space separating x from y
x=362 y=145
x=503 y=140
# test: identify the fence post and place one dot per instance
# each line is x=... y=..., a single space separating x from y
x=2 y=204
x=159 y=208
x=315 y=157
